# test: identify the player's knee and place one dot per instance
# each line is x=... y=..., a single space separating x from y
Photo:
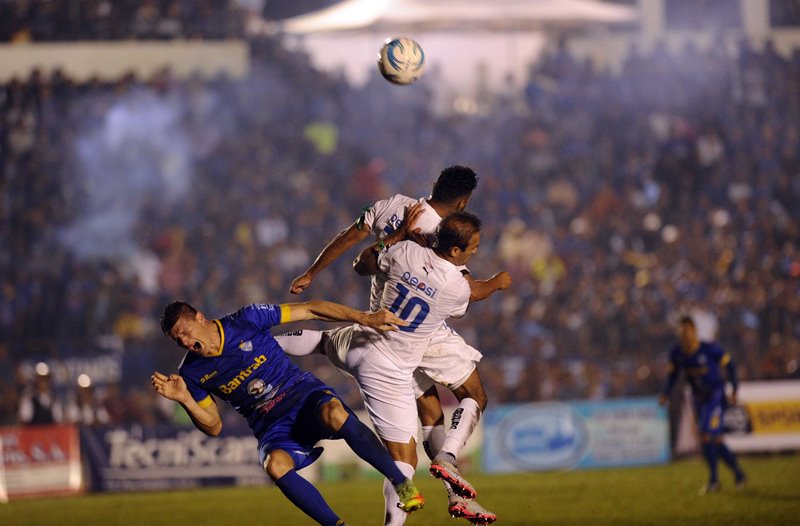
x=333 y=414
x=277 y=464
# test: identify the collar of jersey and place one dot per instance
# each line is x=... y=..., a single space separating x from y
x=221 y=338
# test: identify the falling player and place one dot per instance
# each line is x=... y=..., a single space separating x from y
x=236 y=359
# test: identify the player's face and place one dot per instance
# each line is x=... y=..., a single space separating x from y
x=688 y=336
x=195 y=334
x=462 y=256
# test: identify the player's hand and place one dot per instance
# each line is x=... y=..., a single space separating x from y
x=407 y=225
x=502 y=280
x=172 y=387
x=383 y=320
x=301 y=283
x=662 y=399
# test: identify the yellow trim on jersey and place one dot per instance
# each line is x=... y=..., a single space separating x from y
x=286 y=313
x=221 y=338
x=726 y=358
x=206 y=402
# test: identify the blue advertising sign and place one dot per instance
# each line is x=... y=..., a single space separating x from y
x=138 y=458
x=545 y=436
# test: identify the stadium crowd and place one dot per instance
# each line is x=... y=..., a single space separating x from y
x=617 y=200
x=72 y=20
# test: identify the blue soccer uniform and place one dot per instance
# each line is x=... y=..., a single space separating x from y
x=253 y=374
x=282 y=403
x=706 y=368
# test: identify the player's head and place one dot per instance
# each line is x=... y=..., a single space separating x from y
x=687 y=333
x=458 y=237
x=188 y=327
x=455 y=186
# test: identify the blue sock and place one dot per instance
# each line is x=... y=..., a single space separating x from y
x=730 y=459
x=709 y=450
x=305 y=496
x=366 y=445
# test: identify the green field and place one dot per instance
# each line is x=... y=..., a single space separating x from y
x=641 y=496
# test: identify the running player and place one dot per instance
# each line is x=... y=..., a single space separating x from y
x=236 y=359
x=703 y=363
x=449 y=360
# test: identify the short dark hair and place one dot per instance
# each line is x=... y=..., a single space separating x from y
x=686 y=320
x=456 y=230
x=454 y=183
x=173 y=312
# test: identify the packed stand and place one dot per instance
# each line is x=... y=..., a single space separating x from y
x=82 y=20
x=616 y=200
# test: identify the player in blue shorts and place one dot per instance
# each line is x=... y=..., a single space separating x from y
x=703 y=363
x=236 y=359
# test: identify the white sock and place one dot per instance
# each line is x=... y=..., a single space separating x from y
x=462 y=424
x=433 y=439
x=394 y=516
x=300 y=343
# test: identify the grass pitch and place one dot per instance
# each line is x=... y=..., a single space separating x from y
x=661 y=495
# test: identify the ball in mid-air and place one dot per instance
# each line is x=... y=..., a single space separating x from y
x=401 y=60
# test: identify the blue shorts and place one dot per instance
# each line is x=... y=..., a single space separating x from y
x=708 y=409
x=297 y=432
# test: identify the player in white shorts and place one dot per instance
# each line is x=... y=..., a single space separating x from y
x=422 y=286
x=449 y=360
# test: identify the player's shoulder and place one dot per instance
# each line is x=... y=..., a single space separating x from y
x=394 y=201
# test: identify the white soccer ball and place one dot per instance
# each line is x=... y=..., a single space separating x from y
x=401 y=60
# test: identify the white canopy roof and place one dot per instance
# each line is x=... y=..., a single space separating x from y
x=440 y=15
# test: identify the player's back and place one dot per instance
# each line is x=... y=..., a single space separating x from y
x=384 y=217
x=423 y=289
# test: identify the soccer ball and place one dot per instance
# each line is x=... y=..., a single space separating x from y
x=401 y=60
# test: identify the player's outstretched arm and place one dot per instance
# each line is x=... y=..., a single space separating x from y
x=329 y=311
x=173 y=387
x=343 y=241
x=480 y=289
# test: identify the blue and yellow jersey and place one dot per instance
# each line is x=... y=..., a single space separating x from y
x=704 y=368
x=250 y=371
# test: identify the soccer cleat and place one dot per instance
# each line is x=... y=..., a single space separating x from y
x=470 y=509
x=741 y=483
x=410 y=497
x=447 y=471
x=711 y=487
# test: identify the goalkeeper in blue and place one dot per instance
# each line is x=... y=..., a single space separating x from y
x=706 y=366
x=236 y=359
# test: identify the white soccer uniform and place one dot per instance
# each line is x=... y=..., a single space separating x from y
x=419 y=287
x=449 y=360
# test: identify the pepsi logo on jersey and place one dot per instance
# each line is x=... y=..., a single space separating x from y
x=418 y=284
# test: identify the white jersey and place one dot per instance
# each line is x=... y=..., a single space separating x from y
x=384 y=217
x=421 y=288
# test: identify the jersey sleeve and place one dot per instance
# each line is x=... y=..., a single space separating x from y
x=370 y=214
x=386 y=257
x=265 y=315
x=456 y=295
x=199 y=394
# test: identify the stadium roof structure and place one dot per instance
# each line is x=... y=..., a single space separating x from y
x=397 y=16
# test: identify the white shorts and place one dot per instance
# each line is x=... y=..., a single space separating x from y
x=385 y=387
x=449 y=361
